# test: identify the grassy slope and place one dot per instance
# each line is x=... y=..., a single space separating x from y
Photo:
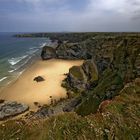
x=116 y=119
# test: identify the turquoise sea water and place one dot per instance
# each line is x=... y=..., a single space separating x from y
x=16 y=54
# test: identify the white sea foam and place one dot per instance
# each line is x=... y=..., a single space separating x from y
x=23 y=64
x=17 y=68
x=15 y=65
x=3 y=79
x=21 y=72
x=10 y=71
x=33 y=48
x=32 y=51
x=14 y=61
x=42 y=45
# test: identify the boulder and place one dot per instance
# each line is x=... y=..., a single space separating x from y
x=73 y=51
x=43 y=112
x=1 y=101
x=90 y=70
x=10 y=109
x=72 y=105
x=77 y=78
x=39 y=79
x=48 y=53
x=83 y=77
x=66 y=50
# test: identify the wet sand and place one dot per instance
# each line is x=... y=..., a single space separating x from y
x=28 y=91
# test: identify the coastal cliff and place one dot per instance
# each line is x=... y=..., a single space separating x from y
x=110 y=63
x=103 y=93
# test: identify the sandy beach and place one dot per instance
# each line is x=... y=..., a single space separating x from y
x=28 y=91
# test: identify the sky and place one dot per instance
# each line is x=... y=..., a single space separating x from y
x=69 y=15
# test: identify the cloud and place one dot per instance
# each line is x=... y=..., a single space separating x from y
x=124 y=7
x=67 y=15
x=42 y=2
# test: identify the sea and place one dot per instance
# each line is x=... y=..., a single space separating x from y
x=16 y=54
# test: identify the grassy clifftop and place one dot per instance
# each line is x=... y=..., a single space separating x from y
x=115 y=119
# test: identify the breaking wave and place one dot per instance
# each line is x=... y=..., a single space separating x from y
x=3 y=79
x=14 y=61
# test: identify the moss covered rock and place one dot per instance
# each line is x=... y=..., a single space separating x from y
x=82 y=77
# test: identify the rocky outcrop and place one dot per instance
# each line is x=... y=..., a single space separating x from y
x=73 y=51
x=83 y=50
x=48 y=53
x=82 y=77
x=98 y=48
x=72 y=105
x=39 y=79
x=61 y=107
x=43 y=112
x=10 y=109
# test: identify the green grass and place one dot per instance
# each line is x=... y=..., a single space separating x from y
x=118 y=120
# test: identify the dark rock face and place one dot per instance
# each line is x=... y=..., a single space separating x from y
x=10 y=109
x=96 y=48
x=81 y=77
x=102 y=64
x=70 y=50
x=77 y=78
x=43 y=112
x=39 y=79
x=48 y=53
x=48 y=111
x=1 y=101
x=72 y=105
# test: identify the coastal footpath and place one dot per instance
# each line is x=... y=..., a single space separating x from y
x=103 y=94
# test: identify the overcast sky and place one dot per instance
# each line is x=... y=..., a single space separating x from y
x=69 y=15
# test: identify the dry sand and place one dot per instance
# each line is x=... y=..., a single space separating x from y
x=27 y=91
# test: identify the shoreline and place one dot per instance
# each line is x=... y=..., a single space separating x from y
x=13 y=76
x=25 y=90
x=16 y=75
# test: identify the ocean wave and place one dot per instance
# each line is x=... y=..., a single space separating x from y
x=32 y=51
x=19 y=62
x=37 y=48
x=20 y=66
x=42 y=45
x=33 y=48
x=10 y=71
x=3 y=79
x=14 y=61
